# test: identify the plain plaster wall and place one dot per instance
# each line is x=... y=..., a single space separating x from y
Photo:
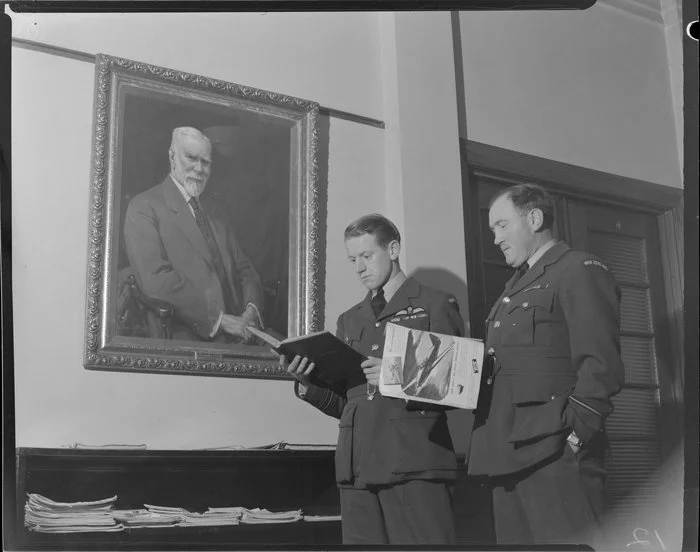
x=589 y=88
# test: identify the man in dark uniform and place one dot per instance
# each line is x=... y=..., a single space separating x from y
x=553 y=364
x=395 y=461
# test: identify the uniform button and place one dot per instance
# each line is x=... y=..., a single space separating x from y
x=377 y=324
x=491 y=351
x=497 y=323
x=375 y=347
x=553 y=397
x=506 y=299
x=422 y=412
x=526 y=304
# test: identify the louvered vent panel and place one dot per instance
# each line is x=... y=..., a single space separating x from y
x=632 y=477
x=635 y=414
x=624 y=255
x=639 y=357
x=635 y=310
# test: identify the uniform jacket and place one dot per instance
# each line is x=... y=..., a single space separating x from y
x=553 y=350
x=171 y=260
x=385 y=440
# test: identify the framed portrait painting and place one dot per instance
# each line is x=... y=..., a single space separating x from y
x=205 y=218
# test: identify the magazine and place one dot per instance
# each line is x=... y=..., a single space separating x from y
x=431 y=367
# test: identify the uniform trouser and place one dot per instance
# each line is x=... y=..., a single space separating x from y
x=414 y=512
x=558 y=503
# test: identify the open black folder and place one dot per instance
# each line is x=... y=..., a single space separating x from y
x=337 y=364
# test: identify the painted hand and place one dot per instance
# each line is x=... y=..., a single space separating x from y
x=236 y=326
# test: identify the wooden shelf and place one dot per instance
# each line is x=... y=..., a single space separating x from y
x=195 y=480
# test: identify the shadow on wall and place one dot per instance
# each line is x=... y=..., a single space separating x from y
x=445 y=280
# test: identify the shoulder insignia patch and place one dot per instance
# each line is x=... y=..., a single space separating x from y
x=593 y=262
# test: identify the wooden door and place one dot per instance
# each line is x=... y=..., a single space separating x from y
x=642 y=429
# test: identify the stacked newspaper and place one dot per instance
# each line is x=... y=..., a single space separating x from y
x=214 y=516
x=168 y=516
x=44 y=515
x=141 y=518
x=260 y=515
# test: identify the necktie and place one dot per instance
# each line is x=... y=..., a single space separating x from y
x=216 y=260
x=201 y=219
x=520 y=272
x=378 y=302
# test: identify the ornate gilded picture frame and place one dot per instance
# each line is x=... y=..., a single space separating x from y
x=168 y=280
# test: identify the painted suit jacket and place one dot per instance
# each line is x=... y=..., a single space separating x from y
x=172 y=262
x=385 y=440
x=553 y=351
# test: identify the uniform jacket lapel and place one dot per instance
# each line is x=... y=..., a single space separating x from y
x=402 y=298
x=497 y=303
x=552 y=255
x=514 y=285
x=365 y=308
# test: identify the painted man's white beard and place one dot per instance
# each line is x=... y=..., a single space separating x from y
x=193 y=187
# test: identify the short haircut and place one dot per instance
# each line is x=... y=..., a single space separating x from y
x=376 y=225
x=526 y=197
x=190 y=132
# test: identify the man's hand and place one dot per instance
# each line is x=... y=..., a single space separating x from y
x=300 y=368
x=371 y=368
x=236 y=326
x=250 y=316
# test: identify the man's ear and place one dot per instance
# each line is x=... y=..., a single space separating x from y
x=394 y=250
x=536 y=219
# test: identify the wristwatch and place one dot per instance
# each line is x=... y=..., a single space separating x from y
x=574 y=440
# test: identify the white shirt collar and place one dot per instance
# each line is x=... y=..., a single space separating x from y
x=537 y=255
x=180 y=187
x=392 y=285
